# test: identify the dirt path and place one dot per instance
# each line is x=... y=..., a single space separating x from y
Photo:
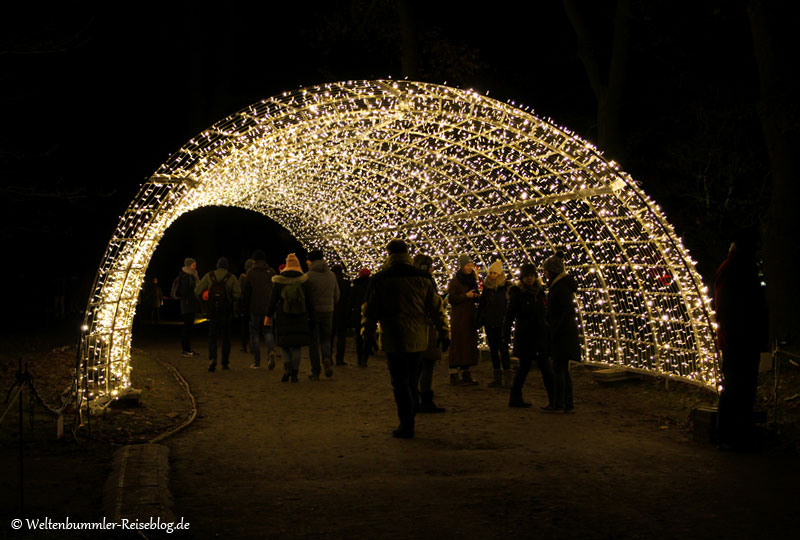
x=316 y=459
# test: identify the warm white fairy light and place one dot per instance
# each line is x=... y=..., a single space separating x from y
x=348 y=166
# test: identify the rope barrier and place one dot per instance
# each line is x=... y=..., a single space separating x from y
x=187 y=389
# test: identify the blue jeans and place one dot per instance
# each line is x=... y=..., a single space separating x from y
x=321 y=328
x=256 y=330
x=291 y=357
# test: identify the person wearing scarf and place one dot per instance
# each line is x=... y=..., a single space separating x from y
x=463 y=295
x=526 y=314
x=190 y=305
x=564 y=341
x=491 y=311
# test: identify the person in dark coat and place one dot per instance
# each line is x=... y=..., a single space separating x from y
x=431 y=355
x=187 y=280
x=341 y=314
x=242 y=311
x=150 y=300
x=220 y=313
x=403 y=299
x=526 y=314
x=292 y=330
x=357 y=295
x=564 y=342
x=491 y=312
x=462 y=293
x=256 y=293
x=741 y=335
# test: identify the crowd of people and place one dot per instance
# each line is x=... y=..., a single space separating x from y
x=398 y=310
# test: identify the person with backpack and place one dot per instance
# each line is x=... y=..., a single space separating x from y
x=255 y=293
x=288 y=315
x=223 y=290
x=183 y=289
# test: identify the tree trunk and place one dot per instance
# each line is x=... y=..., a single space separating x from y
x=409 y=46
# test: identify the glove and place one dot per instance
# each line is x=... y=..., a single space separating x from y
x=443 y=342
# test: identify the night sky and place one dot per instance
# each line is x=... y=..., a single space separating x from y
x=96 y=98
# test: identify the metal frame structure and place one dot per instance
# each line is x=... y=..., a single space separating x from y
x=347 y=166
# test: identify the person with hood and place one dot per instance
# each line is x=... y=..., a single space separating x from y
x=183 y=290
x=403 y=299
x=256 y=293
x=242 y=313
x=341 y=314
x=526 y=314
x=357 y=294
x=491 y=312
x=323 y=290
x=288 y=314
x=463 y=295
x=223 y=291
x=564 y=342
x=431 y=355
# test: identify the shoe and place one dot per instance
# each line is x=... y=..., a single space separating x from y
x=455 y=380
x=243 y=349
x=187 y=354
x=403 y=433
x=549 y=409
x=212 y=367
x=328 y=369
x=497 y=381
x=466 y=379
x=194 y=353
x=286 y=376
x=342 y=363
x=294 y=376
x=519 y=404
x=255 y=366
x=428 y=405
x=271 y=362
x=314 y=377
x=508 y=378
x=569 y=410
x=225 y=366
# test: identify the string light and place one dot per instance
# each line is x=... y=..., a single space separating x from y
x=347 y=166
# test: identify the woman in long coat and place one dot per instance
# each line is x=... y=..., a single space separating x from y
x=463 y=295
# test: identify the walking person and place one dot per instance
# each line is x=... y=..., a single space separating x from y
x=432 y=354
x=256 y=293
x=564 y=342
x=526 y=314
x=463 y=295
x=357 y=295
x=223 y=291
x=324 y=292
x=491 y=312
x=288 y=315
x=242 y=310
x=403 y=299
x=183 y=289
x=341 y=314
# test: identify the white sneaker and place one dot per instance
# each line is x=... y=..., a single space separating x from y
x=255 y=366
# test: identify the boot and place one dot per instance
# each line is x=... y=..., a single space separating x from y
x=428 y=405
x=286 y=374
x=497 y=381
x=508 y=378
x=271 y=361
x=455 y=380
x=294 y=375
x=466 y=378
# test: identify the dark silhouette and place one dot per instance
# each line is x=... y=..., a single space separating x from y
x=223 y=291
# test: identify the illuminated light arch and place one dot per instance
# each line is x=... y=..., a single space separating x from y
x=347 y=166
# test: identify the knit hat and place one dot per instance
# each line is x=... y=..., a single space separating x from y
x=364 y=272
x=281 y=268
x=555 y=264
x=223 y=263
x=259 y=255
x=248 y=264
x=423 y=262
x=528 y=269
x=188 y=261
x=464 y=260
x=496 y=267
x=315 y=255
x=292 y=263
x=397 y=246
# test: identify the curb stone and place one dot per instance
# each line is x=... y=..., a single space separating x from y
x=138 y=485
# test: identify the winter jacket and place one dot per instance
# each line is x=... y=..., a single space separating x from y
x=464 y=345
x=291 y=329
x=231 y=286
x=564 y=341
x=740 y=306
x=403 y=299
x=322 y=287
x=357 y=295
x=257 y=288
x=188 y=280
x=492 y=304
x=526 y=314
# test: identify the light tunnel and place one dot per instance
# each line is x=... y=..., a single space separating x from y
x=347 y=166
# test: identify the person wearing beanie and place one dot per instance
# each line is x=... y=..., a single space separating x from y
x=403 y=300
x=431 y=355
x=287 y=313
x=241 y=308
x=463 y=295
x=183 y=290
x=564 y=341
x=256 y=289
x=525 y=314
x=223 y=293
x=357 y=294
x=324 y=293
x=491 y=311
